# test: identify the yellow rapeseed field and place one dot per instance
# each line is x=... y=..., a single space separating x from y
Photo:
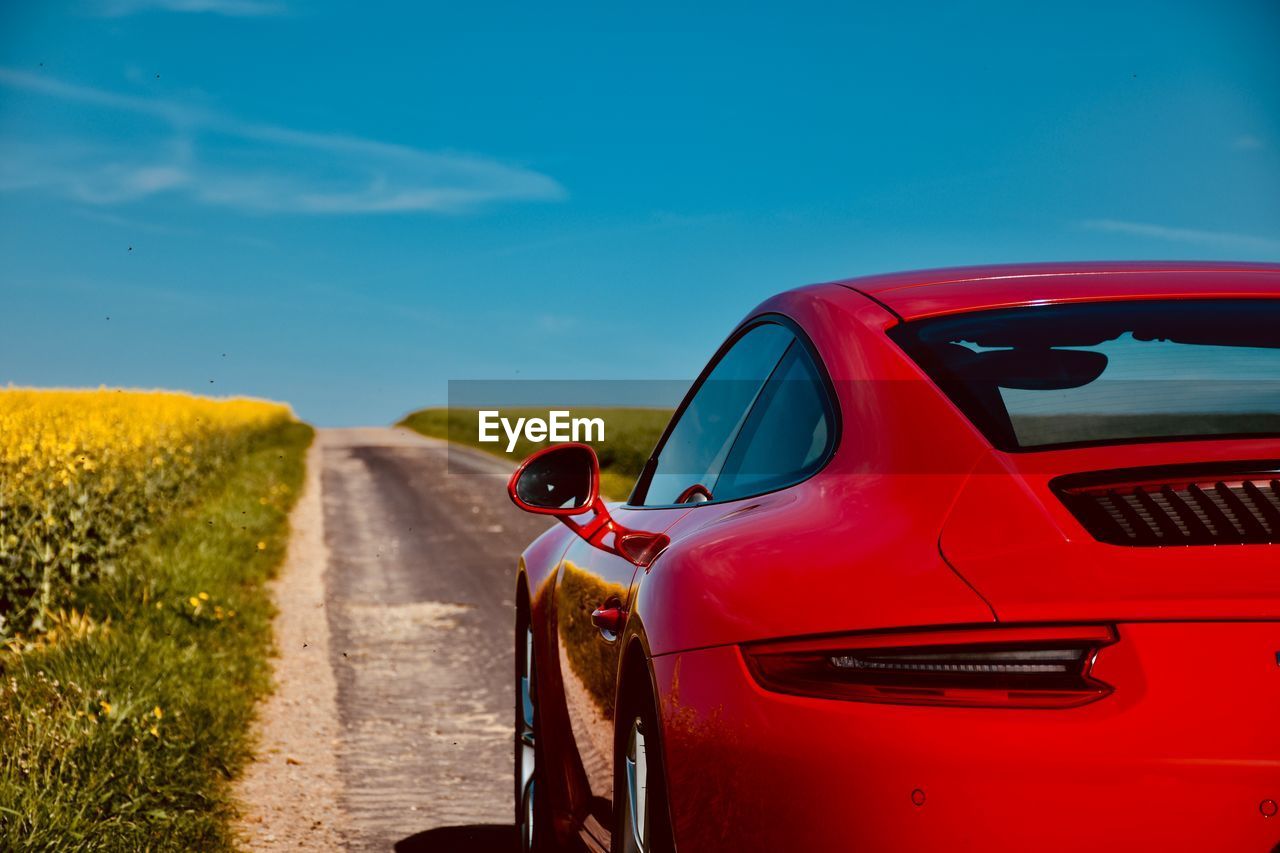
x=84 y=473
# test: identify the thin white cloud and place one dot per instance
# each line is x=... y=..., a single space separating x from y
x=220 y=160
x=231 y=8
x=1248 y=142
x=54 y=88
x=1196 y=236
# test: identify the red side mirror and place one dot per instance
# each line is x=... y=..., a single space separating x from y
x=564 y=480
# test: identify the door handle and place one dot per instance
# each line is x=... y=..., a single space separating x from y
x=608 y=619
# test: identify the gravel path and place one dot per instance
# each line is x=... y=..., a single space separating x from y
x=394 y=680
x=291 y=793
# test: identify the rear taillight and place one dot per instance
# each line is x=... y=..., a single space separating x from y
x=1022 y=667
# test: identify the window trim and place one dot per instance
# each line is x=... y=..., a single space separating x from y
x=828 y=388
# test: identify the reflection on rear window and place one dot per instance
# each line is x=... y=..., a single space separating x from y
x=1108 y=372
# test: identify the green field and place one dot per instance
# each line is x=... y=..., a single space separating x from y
x=630 y=436
x=1055 y=429
x=123 y=731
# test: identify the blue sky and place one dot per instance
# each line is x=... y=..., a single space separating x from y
x=346 y=207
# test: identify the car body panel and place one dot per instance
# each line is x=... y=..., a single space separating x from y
x=916 y=295
x=537 y=571
x=917 y=522
x=754 y=770
x=847 y=546
x=1035 y=562
x=588 y=658
x=588 y=662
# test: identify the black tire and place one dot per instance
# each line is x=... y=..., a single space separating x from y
x=533 y=826
x=637 y=710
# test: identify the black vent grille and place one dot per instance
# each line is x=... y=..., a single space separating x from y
x=1178 y=506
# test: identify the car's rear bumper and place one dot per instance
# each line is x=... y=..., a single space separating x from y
x=1181 y=756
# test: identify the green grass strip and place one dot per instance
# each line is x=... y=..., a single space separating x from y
x=125 y=736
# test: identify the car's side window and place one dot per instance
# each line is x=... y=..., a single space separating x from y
x=698 y=444
x=787 y=435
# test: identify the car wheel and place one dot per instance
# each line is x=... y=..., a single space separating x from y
x=641 y=818
x=531 y=822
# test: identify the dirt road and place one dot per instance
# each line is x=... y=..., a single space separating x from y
x=417 y=592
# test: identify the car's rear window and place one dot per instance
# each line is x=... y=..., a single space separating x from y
x=1102 y=372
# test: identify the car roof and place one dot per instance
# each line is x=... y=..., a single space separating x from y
x=926 y=293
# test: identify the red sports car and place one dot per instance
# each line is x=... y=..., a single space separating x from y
x=969 y=559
